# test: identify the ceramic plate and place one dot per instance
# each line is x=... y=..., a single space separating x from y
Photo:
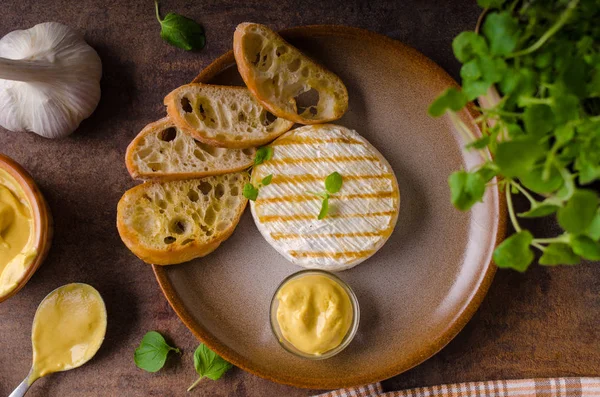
x=418 y=291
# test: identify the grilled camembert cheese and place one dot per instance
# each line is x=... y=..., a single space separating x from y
x=362 y=215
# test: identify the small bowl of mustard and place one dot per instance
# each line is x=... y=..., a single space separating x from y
x=314 y=314
x=25 y=227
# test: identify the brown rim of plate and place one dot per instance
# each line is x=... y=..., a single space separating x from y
x=226 y=60
x=42 y=218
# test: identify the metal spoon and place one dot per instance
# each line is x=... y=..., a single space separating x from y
x=33 y=376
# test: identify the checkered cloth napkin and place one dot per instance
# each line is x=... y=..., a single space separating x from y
x=548 y=387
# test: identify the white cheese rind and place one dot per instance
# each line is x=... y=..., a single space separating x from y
x=362 y=214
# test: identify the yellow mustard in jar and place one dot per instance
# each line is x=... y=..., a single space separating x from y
x=17 y=234
x=68 y=329
x=314 y=314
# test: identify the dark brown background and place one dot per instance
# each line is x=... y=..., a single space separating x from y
x=543 y=323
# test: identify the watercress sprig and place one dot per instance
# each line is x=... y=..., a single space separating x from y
x=542 y=131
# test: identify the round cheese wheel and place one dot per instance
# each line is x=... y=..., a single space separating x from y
x=361 y=216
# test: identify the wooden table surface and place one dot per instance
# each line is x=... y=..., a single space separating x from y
x=542 y=323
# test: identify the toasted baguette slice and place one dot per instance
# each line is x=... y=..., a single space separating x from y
x=162 y=151
x=223 y=116
x=166 y=223
x=278 y=74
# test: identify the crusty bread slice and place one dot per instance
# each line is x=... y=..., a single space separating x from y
x=162 y=151
x=223 y=116
x=282 y=78
x=166 y=223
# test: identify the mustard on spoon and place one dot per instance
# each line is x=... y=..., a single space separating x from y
x=68 y=329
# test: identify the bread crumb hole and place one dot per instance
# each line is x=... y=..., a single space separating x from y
x=193 y=196
x=267 y=118
x=187 y=241
x=167 y=135
x=241 y=117
x=186 y=105
x=177 y=226
x=205 y=187
x=210 y=216
x=162 y=204
x=234 y=190
x=155 y=166
x=294 y=65
x=221 y=226
x=307 y=101
x=169 y=240
x=219 y=190
x=211 y=150
x=198 y=154
x=248 y=151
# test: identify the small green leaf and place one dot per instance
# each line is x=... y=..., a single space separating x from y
x=539 y=210
x=534 y=181
x=250 y=192
x=479 y=143
x=488 y=171
x=333 y=182
x=578 y=213
x=593 y=230
x=152 y=353
x=470 y=70
x=263 y=154
x=324 y=208
x=466 y=189
x=180 y=31
x=475 y=88
x=517 y=157
x=468 y=45
x=450 y=99
x=514 y=252
x=564 y=134
x=538 y=120
x=502 y=32
x=585 y=247
x=208 y=364
x=559 y=254
x=267 y=180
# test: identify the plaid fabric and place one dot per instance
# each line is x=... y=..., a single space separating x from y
x=549 y=387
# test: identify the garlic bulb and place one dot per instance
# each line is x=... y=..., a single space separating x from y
x=49 y=80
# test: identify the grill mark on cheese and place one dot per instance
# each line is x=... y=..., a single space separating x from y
x=307 y=140
x=299 y=217
x=277 y=179
x=298 y=198
x=289 y=236
x=334 y=255
x=332 y=159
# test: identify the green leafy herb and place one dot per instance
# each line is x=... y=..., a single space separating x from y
x=251 y=192
x=267 y=180
x=559 y=254
x=514 y=252
x=208 y=364
x=152 y=353
x=540 y=136
x=333 y=184
x=181 y=31
x=586 y=247
x=263 y=154
x=466 y=188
